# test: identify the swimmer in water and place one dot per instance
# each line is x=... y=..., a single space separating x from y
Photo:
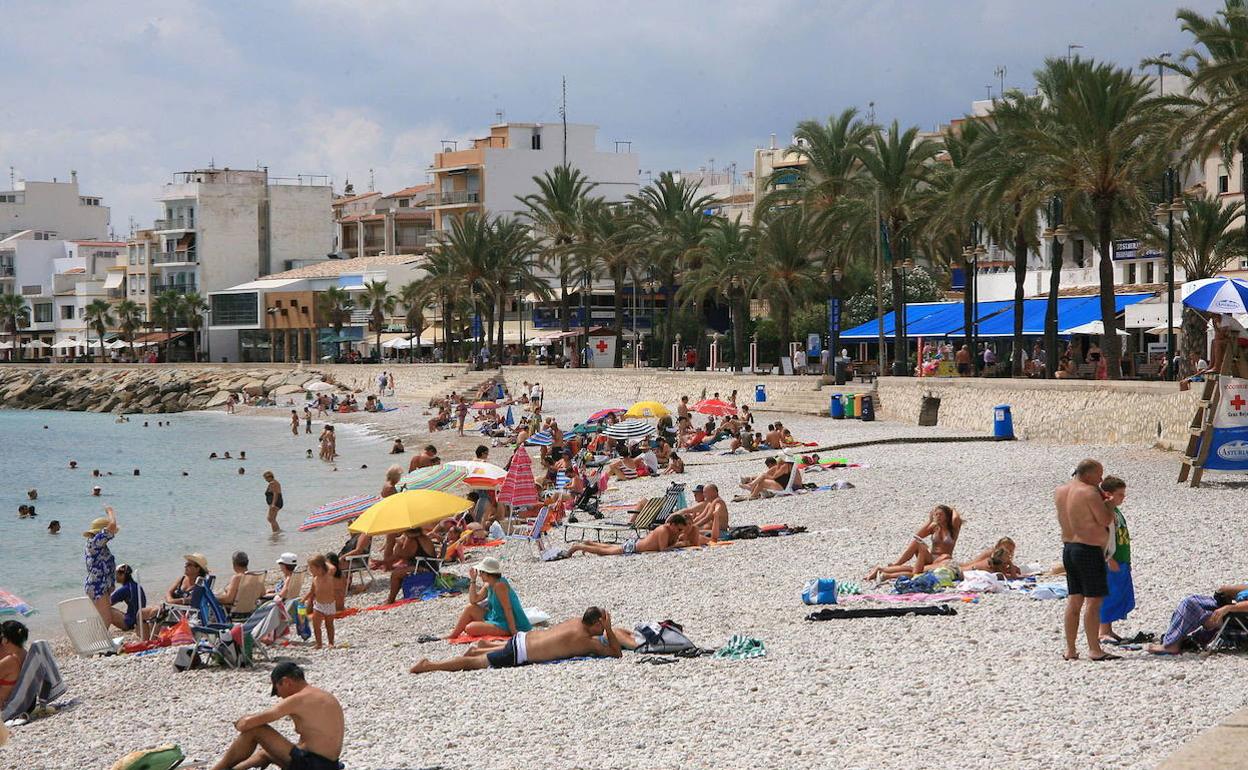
x=33 y=494
x=95 y=491
x=54 y=527
x=73 y=465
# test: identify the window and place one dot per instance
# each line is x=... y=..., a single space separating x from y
x=235 y=309
x=1224 y=184
x=1130 y=274
x=12 y=197
x=405 y=203
x=82 y=312
x=1149 y=267
x=536 y=141
x=1243 y=263
x=1076 y=251
x=43 y=313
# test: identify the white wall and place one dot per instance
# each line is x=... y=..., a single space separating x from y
x=54 y=206
x=227 y=234
x=301 y=223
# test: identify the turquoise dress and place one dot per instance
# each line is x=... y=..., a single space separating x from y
x=494 y=614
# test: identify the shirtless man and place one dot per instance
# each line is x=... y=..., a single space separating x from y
x=1085 y=519
x=775 y=479
x=713 y=516
x=423 y=459
x=676 y=532
x=318 y=721
x=591 y=634
x=775 y=436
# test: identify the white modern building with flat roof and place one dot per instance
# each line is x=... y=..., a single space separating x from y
x=55 y=207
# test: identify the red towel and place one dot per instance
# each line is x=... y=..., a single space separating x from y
x=465 y=639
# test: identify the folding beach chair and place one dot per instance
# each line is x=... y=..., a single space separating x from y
x=537 y=532
x=85 y=628
x=356 y=564
x=269 y=624
x=790 y=489
x=1233 y=635
x=250 y=590
x=654 y=512
x=38 y=682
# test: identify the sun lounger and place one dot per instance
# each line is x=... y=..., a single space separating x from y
x=38 y=683
x=85 y=629
x=653 y=512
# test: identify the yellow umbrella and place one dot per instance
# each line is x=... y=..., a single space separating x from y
x=408 y=510
x=647 y=409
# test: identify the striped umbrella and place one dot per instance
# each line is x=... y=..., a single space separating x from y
x=714 y=406
x=602 y=414
x=338 y=511
x=1217 y=295
x=483 y=405
x=541 y=438
x=518 y=489
x=436 y=477
x=629 y=429
x=481 y=475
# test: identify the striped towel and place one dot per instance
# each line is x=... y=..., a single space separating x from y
x=38 y=683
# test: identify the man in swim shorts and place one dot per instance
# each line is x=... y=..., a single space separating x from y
x=1085 y=517
x=676 y=532
x=591 y=635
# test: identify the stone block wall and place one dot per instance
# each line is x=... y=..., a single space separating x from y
x=632 y=385
x=1062 y=411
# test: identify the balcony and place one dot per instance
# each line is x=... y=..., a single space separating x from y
x=6 y=271
x=455 y=198
x=175 y=223
x=116 y=293
x=174 y=257
x=178 y=288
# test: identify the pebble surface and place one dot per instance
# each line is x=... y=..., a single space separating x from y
x=987 y=688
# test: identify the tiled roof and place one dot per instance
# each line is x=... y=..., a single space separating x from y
x=334 y=267
x=353 y=198
x=408 y=192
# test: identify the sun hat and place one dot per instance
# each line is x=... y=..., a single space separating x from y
x=197 y=558
x=490 y=565
x=96 y=526
x=288 y=558
x=286 y=668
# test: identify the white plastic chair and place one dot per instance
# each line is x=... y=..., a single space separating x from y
x=85 y=628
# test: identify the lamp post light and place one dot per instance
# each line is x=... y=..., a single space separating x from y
x=524 y=351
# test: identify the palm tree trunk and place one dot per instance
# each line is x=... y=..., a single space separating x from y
x=1050 y=312
x=1110 y=344
x=619 y=319
x=1193 y=330
x=1020 y=276
x=564 y=307
x=665 y=355
x=738 y=335
x=901 y=356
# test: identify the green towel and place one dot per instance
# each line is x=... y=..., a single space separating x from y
x=741 y=647
x=848 y=588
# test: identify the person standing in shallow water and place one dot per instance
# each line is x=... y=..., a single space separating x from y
x=294 y=423
x=273 y=497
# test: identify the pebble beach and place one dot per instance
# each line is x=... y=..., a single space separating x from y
x=985 y=688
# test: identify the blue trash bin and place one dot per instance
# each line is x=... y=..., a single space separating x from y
x=1002 y=423
x=867 y=413
x=837 y=407
x=760 y=393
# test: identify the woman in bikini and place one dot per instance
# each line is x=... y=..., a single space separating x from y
x=273 y=498
x=13 y=637
x=997 y=559
x=942 y=527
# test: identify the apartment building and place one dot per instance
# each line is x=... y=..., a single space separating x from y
x=372 y=224
x=57 y=208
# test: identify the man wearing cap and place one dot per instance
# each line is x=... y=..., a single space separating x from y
x=101 y=565
x=712 y=515
x=318 y=720
x=591 y=634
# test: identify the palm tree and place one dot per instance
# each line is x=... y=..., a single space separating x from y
x=192 y=309
x=468 y=268
x=832 y=169
x=129 y=319
x=99 y=316
x=1103 y=147
x=555 y=211
x=614 y=246
x=381 y=304
x=896 y=161
x=726 y=271
x=335 y=306
x=1207 y=239
x=16 y=316
x=443 y=283
x=165 y=310
x=515 y=265
x=786 y=271
x=412 y=296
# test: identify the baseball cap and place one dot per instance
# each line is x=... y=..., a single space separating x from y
x=699 y=488
x=288 y=559
x=287 y=668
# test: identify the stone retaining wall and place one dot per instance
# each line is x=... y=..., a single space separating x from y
x=658 y=384
x=1062 y=411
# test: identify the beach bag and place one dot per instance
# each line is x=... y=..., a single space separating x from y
x=820 y=591
x=744 y=532
x=187 y=658
x=415 y=584
x=159 y=758
x=664 y=637
x=178 y=633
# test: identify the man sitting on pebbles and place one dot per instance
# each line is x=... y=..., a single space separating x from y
x=677 y=532
x=709 y=513
x=591 y=635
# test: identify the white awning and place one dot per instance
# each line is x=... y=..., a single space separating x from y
x=114 y=280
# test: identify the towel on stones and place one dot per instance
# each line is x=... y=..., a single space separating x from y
x=841 y=613
x=741 y=647
x=38 y=682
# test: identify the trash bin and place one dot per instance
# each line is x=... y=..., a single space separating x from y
x=850 y=411
x=760 y=393
x=929 y=411
x=837 y=407
x=839 y=371
x=1002 y=423
x=868 y=409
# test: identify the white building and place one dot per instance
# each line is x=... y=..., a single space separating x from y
x=57 y=208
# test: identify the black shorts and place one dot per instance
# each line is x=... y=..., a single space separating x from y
x=302 y=759
x=964 y=369
x=1086 y=573
x=504 y=658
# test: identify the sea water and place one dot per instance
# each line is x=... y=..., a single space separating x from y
x=162 y=513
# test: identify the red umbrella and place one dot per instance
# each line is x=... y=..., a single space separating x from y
x=518 y=489
x=714 y=406
x=602 y=414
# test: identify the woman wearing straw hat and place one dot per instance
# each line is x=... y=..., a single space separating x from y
x=196 y=567
x=493 y=607
x=101 y=565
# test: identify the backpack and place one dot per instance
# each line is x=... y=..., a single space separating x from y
x=744 y=532
x=820 y=591
x=663 y=637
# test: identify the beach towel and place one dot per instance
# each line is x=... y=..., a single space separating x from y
x=740 y=648
x=159 y=758
x=466 y=639
x=38 y=683
x=844 y=613
x=903 y=598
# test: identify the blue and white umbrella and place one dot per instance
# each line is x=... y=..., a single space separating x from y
x=541 y=438
x=629 y=429
x=1217 y=295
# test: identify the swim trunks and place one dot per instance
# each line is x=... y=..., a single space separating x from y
x=325 y=608
x=514 y=653
x=1086 y=573
x=302 y=759
x=629 y=547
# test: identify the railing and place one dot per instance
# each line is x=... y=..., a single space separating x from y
x=179 y=288
x=456 y=198
x=6 y=271
x=176 y=223
x=167 y=257
x=116 y=293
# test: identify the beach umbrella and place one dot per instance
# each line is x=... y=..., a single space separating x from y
x=1162 y=330
x=714 y=406
x=584 y=429
x=408 y=510
x=510 y=419
x=485 y=405
x=518 y=488
x=338 y=511
x=317 y=385
x=1217 y=295
x=541 y=438
x=481 y=475
x=1094 y=328
x=629 y=429
x=66 y=344
x=6 y=345
x=603 y=414
x=647 y=409
x=36 y=345
x=12 y=606
x=436 y=477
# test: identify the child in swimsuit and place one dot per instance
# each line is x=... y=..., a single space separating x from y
x=320 y=598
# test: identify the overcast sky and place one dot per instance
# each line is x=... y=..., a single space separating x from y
x=128 y=93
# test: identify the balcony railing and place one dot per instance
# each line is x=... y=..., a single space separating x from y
x=176 y=223
x=455 y=198
x=6 y=271
x=179 y=288
x=116 y=293
x=168 y=257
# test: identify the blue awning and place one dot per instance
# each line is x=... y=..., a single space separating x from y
x=1071 y=312
x=925 y=319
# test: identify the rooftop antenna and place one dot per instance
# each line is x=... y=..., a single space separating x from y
x=871 y=112
x=12 y=178
x=1070 y=49
x=212 y=163
x=563 y=115
x=372 y=187
x=1000 y=73
x=988 y=89
x=498 y=116
x=1161 y=72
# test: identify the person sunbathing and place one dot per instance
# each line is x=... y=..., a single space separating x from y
x=775 y=479
x=493 y=608
x=942 y=526
x=591 y=635
x=674 y=464
x=676 y=532
x=1199 y=617
x=413 y=552
x=712 y=516
x=997 y=559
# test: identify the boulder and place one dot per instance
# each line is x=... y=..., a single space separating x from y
x=287 y=390
x=254 y=388
x=218 y=400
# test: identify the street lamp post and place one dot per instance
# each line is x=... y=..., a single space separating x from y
x=524 y=350
x=835 y=321
x=733 y=284
x=1171 y=203
x=971 y=255
x=1055 y=235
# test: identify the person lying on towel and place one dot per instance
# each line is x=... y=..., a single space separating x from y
x=677 y=532
x=591 y=635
